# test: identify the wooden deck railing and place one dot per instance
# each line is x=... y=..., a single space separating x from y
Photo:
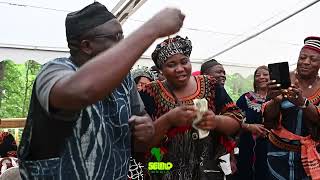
x=12 y=123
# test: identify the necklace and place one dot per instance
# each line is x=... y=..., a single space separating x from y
x=311 y=85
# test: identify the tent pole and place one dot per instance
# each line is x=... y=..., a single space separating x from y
x=264 y=30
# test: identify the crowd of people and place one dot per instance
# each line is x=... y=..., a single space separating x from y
x=278 y=134
x=88 y=121
x=278 y=137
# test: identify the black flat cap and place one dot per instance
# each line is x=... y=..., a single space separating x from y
x=81 y=21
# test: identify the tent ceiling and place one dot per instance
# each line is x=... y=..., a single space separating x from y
x=212 y=26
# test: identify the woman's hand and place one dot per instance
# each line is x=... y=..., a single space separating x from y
x=209 y=121
x=274 y=91
x=257 y=129
x=294 y=95
x=182 y=115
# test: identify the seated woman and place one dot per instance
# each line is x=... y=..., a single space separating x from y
x=170 y=104
x=8 y=152
x=294 y=114
x=8 y=145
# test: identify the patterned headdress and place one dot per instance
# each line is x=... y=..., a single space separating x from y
x=313 y=43
x=142 y=72
x=170 y=47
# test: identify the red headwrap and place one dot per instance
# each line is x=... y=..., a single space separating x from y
x=313 y=43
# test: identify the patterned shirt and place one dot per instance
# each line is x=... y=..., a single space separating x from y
x=94 y=143
x=288 y=164
x=182 y=148
x=252 y=161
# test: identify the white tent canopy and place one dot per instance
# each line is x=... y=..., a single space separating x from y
x=34 y=29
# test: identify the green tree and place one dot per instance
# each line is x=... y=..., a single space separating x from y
x=17 y=80
x=1 y=78
x=16 y=88
x=236 y=85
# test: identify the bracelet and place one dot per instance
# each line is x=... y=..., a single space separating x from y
x=245 y=126
x=242 y=123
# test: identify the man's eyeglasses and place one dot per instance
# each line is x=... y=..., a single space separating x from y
x=114 y=37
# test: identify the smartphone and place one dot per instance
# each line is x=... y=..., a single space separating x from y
x=280 y=73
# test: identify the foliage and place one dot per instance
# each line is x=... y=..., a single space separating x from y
x=236 y=85
x=16 y=88
x=19 y=78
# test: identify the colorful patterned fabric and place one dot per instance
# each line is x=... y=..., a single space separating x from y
x=170 y=47
x=289 y=165
x=187 y=153
x=98 y=145
x=310 y=158
x=252 y=162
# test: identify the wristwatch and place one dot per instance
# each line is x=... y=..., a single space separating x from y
x=305 y=104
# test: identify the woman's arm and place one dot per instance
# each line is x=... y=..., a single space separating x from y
x=227 y=125
x=161 y=126
x=310 y=111
x=271 y=109
x=230 y=115
x=179 y=116
x=271 y=114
